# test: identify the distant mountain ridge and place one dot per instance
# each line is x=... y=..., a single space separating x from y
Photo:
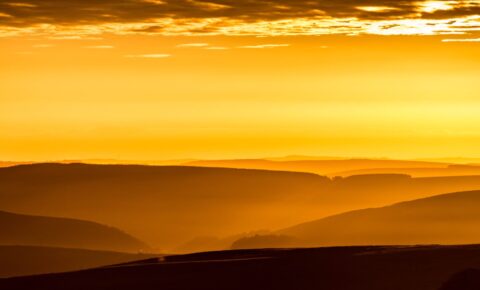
x=323 y=167
x=450 y=170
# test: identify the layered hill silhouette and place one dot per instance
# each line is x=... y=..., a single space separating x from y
x=12 y=163
x=19 y=229
x=265 y=241
x=33 y=260
x=445 y=219
x=319 y=165
x=167 y=206
x=330 y=167
x=450 y=170
x=348 y=268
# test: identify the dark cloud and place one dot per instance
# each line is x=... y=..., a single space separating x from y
x=74 y=12
x=228 y=16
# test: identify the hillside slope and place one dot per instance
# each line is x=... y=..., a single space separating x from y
x=323 y=167
x=350 y=268
x=33 y=260
x=444 y=219
x=451 y=170
x=19 y=229
x=170 y=205
x=163 y=205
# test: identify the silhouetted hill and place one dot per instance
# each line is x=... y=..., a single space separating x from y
x=212 y=243
x=31 y=260
x=18 y=229
x=451 y=170
x=169 y=205
x=12 y=163
x=163 y=205
x=323 y=167
x=126 y=162
x=347 y=167
x=444 y=219
x=264 y=241
x=349 y=268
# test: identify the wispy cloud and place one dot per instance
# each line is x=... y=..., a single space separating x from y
x=100 y=46
x=193 y=45
x=65 y=37
x=376 y=8
x=152 y=55
x=156 y=2
x=75 y=37
x=461 y=40
x=208 y=6
x=216 y=48
x=260 y=46
x=5 y=15
x=21 y=4
x=43 y=45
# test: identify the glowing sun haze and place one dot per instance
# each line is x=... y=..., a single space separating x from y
x=162 y=79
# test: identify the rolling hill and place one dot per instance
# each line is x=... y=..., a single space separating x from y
x=348 y=268
x=33 y=260
x=163 y=205
x=328 y=167
x=444 y=219
x=468 y=279
x=19 y=229
x=167 y=206
x=12 y=163
x=450 y=170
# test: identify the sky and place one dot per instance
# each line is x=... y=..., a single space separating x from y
x=152 y=79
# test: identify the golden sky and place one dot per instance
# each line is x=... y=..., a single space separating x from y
x=158 y=79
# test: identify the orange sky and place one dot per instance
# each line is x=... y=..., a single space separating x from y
x=283 y=87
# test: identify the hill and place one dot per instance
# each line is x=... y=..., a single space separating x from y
x=450 y=170
x=349 y=268
x=163 y=205
x=19 y=229
x=170 y=205
x=32 y=260
x=328 y=167
x=468 y=279
x=444 y=219
x=12 y=163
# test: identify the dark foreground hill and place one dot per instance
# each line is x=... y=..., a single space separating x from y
x=468 y=279
x=350 y=268
x=19 y=229
x=452 y=218
x=30 y=260
x=169 y=205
